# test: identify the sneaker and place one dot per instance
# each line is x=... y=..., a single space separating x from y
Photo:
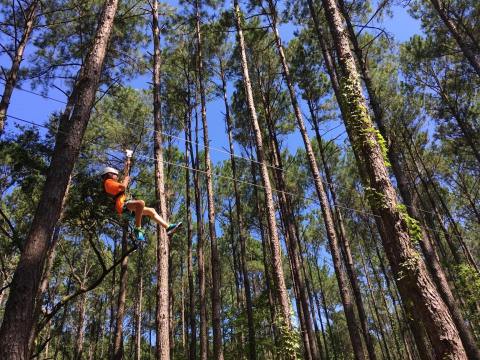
x=139 y=234
x=173 y=227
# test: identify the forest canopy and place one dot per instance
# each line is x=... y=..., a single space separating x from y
x=239 y=180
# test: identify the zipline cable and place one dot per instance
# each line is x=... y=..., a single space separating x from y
x=200 y=144
x=213 y=148
x=313 y=199
x=295 y=195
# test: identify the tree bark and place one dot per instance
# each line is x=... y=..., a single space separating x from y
x=352 y=322
x=431 y=257
x=79 y=339
x=162 y=317
x=19 y=312
x=264 y=239
x=45 y=281
x=191 y=287
x=418 y=331
x=344 y=241
x=200 y=247
x=12 y=76
x=408 y=267
x=332 y=72
x=122 y=295
x=215 y=271
x=291 y=239
x=252 y=352
x=272 y=223
x=138 y=307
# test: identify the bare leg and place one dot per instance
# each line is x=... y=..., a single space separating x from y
x=152 y=213
x=137 y=206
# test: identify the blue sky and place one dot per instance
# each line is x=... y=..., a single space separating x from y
x=37 y=109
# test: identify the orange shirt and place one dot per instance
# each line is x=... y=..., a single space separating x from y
x=117 y=190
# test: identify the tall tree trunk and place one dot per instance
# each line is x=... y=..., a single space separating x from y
x=394 y=156
x=380 y=324
x=325 y=311
x=138 y=307
x=332 y=72
x=272 y=224
x=264 y=239
x=200 y=247
x=308 y=283
x=122 y=295
x=19 y=311
x=408 y=267
x=383 y=297
x=191 y=287
x=317 y=303
x=215 y=261
x=252 y=352
x=352 y=321
x=79 y=339
x=183 y=316
x=287 y=216
x=344 y=240
x=403 y=327
x=421 y=339
x=45 y=281
x=162 y=340
x=467 y=50
x=12 y=75
x=113 y=285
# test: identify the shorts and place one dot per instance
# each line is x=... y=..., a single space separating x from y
x=121 y=202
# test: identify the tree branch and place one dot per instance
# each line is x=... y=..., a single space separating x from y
x=83 y=290
x=7 y=220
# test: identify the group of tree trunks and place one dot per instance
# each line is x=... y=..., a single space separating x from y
x=427 y=303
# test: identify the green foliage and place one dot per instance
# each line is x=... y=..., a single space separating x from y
x=413 y=225
x=424 y=86
x=364 y=133
x=289 y=339
x=469 y=290
x=62 y=45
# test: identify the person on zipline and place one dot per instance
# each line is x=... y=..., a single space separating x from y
x=136 y=208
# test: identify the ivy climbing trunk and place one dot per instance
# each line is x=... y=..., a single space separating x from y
x=12 y=76
x=412 y=206
x=280 y=286
x=215 y=261
x=334 y=244
x=252 y=352
x=19 y=316
x=331 y=67
x=398 y=230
